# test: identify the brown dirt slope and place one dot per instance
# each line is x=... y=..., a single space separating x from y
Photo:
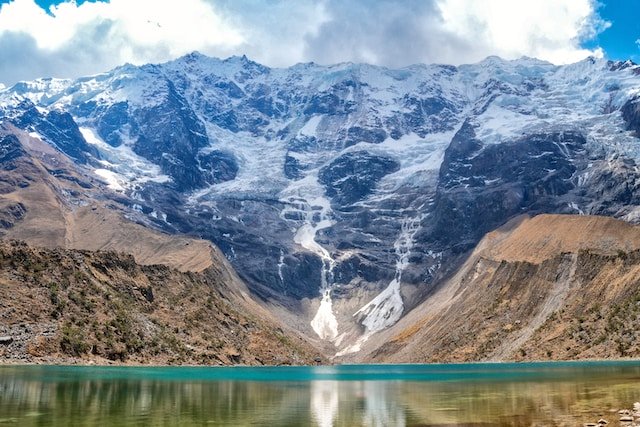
x=548 y=287
x=70 y=306
x=542 y=237
x=94 y=228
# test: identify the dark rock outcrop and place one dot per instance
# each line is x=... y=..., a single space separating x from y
x=353 y=176
x=59 y=129
x=631 y=115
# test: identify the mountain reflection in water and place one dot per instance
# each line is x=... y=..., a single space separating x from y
x=418 y=395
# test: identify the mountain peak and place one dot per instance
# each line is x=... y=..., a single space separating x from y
x=527 y=61
x=244 y=60
x=195 y=55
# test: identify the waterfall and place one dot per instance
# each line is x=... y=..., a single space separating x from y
x=315 y=212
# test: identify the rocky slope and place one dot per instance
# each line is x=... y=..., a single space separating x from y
x=548 y=287
x=342 y=194
x=70 y=306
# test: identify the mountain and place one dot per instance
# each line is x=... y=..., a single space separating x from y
x=343 y=195
x=48 y=201
x=550 y=287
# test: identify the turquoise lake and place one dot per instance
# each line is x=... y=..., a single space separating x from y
x=526 y=394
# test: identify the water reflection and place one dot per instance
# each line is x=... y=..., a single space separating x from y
x=324 y=402
x=366 y=403
x=50 y=396
x=382 y=407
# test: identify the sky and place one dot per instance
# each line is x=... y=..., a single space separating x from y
x=65 y=38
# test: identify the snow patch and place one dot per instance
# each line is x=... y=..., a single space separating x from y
x=281 y=265
x=324 y=322
x=113 y=180
x=91 y=137
x=499 y=124
x=122 y=165
x=575 y=207
x=387 y=307
x=310 y=128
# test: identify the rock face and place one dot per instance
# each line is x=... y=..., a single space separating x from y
x=631 y=114
x=479 y=189
x=353 y=176
x=58 y=127
x=351 y=181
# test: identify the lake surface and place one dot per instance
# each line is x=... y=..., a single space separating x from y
x=365 y=395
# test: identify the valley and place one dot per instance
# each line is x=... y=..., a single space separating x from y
x=384 y=215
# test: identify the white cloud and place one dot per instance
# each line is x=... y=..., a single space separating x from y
x=147 y=23
x=545 y=29
x=94 y=37
x=457 y=31
x=108 y=34
x=276 y=31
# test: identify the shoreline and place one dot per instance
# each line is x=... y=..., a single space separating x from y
x=85 y=363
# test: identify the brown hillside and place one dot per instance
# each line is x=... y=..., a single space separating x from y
x=69 y=306
x=543 y=237
x=549 y=287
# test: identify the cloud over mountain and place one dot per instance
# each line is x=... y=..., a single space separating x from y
x=73 y=39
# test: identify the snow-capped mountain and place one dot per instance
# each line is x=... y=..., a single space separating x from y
x=345 y=192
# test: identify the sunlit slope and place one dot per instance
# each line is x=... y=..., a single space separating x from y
x=548 y=287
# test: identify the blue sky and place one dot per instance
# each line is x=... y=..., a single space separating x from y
x=91 y=36
x=619 y=40
x=45 y=4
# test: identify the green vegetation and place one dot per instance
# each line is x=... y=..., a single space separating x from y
x=623 y=326
x=73 y=342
